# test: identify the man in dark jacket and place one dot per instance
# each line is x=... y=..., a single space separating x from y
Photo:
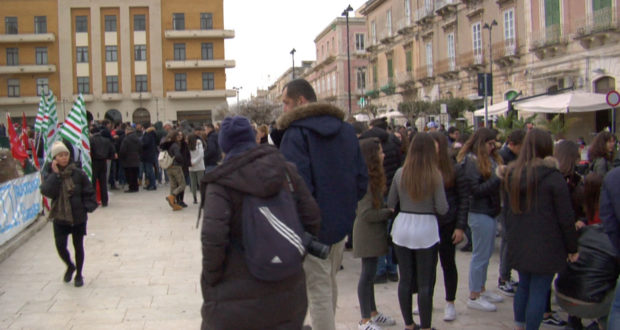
x=129 y=155
x=149 y=155
x=327 y=154
x=101 y=150
x=609 y=212
x=212 y=150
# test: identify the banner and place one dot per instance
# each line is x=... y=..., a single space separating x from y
x=21 y=205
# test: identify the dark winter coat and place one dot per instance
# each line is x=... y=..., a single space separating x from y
x=370 y=236
x=149 y=146
x=101 y=148
x=451 y=217
x=233 y=298
x=392 y=159
x=476 y=194
x=212 y=150
x=82 y=199
x=131 y=149
x=174 y=149
x=507 y=155
x=540 y=239
x=609 y=210
x=326 y=152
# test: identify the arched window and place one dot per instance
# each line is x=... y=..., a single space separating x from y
x=141 y=115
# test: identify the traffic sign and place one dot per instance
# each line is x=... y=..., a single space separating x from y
x=362 y=102
x=613 y=98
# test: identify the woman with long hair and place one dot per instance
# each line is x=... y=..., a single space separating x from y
x=172 y=143
x=419 y=189
x=567 y=154
x=197 y=167
x=540 y=228
x=450 y=231
x=478 y=187
x=601 y=153
x=370 y=234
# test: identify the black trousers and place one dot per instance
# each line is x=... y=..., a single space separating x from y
x=365 y=287
x=99 y=174
x=447 y=258
x=131 y=173
x=416 y=267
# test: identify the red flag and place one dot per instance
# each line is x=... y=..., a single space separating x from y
x=24 y=132
x=17 y=149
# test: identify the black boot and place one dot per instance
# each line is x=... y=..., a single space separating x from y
x=180 y=199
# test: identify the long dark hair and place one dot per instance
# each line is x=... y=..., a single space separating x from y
x=420 y=171
x=536 y=146
x=592 y=192
x=172 y=135
x=446 y=166
x=598 y=148
x=477 y=144
x=370 y=148
x=567 y=154
x=191 y=141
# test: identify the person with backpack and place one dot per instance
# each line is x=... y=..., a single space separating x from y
x=233 y=296
x=172 y=144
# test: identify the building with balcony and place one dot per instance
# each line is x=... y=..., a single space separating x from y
x=137 y=61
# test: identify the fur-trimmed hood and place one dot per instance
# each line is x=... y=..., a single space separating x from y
x=323 y=118
x=542 y=168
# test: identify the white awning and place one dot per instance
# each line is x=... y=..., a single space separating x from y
x=496 y=109
x=575 y=101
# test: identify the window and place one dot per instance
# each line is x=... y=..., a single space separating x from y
x=81 y=24
x=178 y=21
x=180 y=82
x=110 y=23
x=408 y=12
x=390 y=69
x=83 y=84
x=329 y=84
x=139 y=52
x=141 y=83
x=208 y=81
x=206 y=21
x=139 y=23
x=12 y=87
x=359 y=42
x=429 y=59
x=409 y=60
x=111 y=83
x=42 y=86
x=10 y=24
x=509 y=31
x=389 y=22
x=40 y=24
x=373 y=32
x=602 y=14
x=179 y=52
x=361 y=79
x=81 y=54
x=477 y=46
x=207 y=51
x=12 y=56
x=111 y=54
x=552 y=12
x=41 y=55
x=451 y=52
x=428 y=6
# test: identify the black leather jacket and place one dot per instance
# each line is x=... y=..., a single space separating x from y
x=476 y=194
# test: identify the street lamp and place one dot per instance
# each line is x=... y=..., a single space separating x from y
x=486 y=88
x=293 y=56
x=345 y=13
x=237 y=89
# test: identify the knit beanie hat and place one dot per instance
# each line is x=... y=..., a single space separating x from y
x=58 y=147
x=235 y=131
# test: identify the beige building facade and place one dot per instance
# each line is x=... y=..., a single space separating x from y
x=137 y=61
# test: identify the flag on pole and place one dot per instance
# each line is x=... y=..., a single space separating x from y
x=50 y=124
x=38 y=124
x=75 y=130
x=17 y=149
x=87 y=163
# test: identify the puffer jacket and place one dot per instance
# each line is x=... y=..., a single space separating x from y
x=131 y=149
x=233 y=298
x=82 y=199
x=477 y=195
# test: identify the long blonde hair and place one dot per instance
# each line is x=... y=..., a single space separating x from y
x=420 y=170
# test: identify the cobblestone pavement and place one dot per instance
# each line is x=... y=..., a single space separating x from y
x=142 y=271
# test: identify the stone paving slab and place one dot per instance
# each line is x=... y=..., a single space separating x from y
x=142 y=271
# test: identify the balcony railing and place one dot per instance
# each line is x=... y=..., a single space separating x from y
x=190 y=34
x=404 y=25
x=601 y=20
x=27 y=37
x=218 y=93
x=424 y=13
x=445 y=6
x=472 y=61
x=200 y=64
x=25 y=69
x=447 y=65
x=404 y=78
x=549 y=36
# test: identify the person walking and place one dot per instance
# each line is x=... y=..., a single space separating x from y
x=419 y=190
x=326 y=152
x=601 y=153
x=73 y=197
x=540 y=228
x=370 y=235
x=172 y=144
x=197 y=168
x=479 y=187
x=232 y=297
x=101 y=149
x=131 y=149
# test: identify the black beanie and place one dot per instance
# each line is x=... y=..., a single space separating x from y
x=235 y=131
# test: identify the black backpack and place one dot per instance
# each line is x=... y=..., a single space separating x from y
x=273 y=236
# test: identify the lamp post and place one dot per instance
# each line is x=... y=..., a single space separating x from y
x=345 y=13
x=293 y=56
x=486 y=88
x=237 y=89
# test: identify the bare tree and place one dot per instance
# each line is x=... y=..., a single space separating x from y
x=221 y=111
x=259 y=110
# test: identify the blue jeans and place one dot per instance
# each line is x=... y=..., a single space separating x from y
x=149 y=171
x=483 y=240
x=613 y=321
x=385 y=263
x=531 y=299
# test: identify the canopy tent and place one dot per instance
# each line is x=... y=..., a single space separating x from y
x=495 y=109
x=575 y=101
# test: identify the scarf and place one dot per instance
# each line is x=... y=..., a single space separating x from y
x=61 y=206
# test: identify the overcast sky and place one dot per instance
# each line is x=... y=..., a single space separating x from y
x=267 y=31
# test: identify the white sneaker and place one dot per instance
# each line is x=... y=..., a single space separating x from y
x=383 y=319
x=481 y=304
x=449 y=313
x=491 y=297
x=416 y=310
x=370 y=325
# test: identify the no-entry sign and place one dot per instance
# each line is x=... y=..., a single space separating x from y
x=613 y=98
